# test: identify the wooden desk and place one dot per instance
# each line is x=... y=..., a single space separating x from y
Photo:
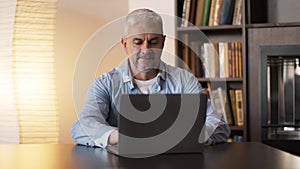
x=225 y=156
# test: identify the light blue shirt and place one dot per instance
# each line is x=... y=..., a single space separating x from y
x=100 y=113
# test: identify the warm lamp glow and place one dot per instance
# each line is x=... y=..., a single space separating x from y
x=34 y=73
x=9 y=129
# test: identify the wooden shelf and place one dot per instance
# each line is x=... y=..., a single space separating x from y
x=204 y=28
x=237 y=128
x=271 y=25
x=220 y=79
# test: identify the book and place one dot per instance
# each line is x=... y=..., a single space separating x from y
x=227 y=12
x=206 y=12
x=216 y=60
x=192 y=16
x=225 y=105
x=240 y=64
x=186 y=14
x=239 y=107
x=185 y=51
x=226 y=59
x=182 y=13
x=236 y=59
x=199 y=13
x=205 y=53
x=198 y=67
x=222 y=60
x=212 y=12
x=217 y=13
x=218 y=99
x=232 y=102
x=237 y=13
x=216 y=102
x=228 y=109
x=193 y=57
x=232 y=44
x=230 y=73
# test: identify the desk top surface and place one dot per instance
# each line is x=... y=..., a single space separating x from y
x=62 y=156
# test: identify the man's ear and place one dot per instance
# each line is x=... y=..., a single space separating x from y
x=164 y=39
x=124 y=45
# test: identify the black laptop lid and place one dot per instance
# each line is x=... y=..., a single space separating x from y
x=161 y=123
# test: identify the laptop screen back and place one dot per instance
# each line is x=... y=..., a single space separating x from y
x=161 y=123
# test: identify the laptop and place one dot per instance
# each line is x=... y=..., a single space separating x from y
x=152 y=124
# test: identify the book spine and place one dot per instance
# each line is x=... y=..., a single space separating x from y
x=226 y=59
x=237 y=12
x=230 y=72
x=192 y=12
x=199 y=14
x=217 y=59
x=239 y=107
x=233 y=105
x=187 y=13
x=193 y=57
x=222 y=60
x=236 y=63
x=206 y=12
x=240 y=59
x=205 y=50
x=185 y=51
x=183 y=13
x=217 y=12
x=212 y=12
x=227 y=12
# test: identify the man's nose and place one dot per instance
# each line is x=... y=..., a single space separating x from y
x=146 y=45
x=145 y=48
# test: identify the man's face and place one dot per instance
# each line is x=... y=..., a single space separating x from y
x=144 y=49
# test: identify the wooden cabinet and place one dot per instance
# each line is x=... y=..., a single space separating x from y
x=263 y=22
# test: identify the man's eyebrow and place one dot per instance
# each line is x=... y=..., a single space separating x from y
x=136 y=38
x=140 y=38
x=154 y=38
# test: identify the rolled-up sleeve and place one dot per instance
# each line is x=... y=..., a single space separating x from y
x=91 y=125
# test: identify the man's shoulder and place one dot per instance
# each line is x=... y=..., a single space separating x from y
x=112 y=75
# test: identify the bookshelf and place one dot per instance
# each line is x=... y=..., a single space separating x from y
x=222 y=40
x=263 y=23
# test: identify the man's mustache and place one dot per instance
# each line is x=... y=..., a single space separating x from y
x=145 y=55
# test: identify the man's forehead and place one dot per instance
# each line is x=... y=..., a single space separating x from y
x=143 y=35
x=142 y=29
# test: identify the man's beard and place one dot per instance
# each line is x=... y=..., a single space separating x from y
x=146 y=62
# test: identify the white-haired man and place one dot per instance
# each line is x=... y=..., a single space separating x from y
x=143 y=73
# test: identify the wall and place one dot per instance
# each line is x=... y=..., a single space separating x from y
x=78 y=25
x=77 y=20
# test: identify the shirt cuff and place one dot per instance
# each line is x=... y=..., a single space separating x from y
x=103 y=140
x=209 y=142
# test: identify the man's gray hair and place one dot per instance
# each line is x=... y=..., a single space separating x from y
x=143 y=16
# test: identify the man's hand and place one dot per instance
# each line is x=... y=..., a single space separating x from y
x=114 y=137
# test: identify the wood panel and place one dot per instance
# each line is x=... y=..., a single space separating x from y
x=263 y=37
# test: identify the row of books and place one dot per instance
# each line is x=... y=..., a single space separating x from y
x=211 y=12
x=236 y=138
x=228 y=103
x=223 y=59
x=190 y=56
